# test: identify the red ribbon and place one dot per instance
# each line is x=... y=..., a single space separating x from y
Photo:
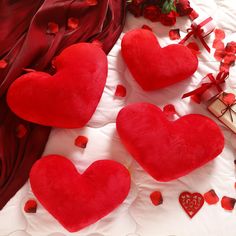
x=220 y=79
x=197 y=31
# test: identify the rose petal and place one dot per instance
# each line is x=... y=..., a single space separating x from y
x=81 y=141
x=224 y=67
x=3 y=64
x=156 y=198
x=73 y=23
x=211 y=197
x=194 y=48
x=174 y=34
x=231 y=47
x=53 y=28
x=146 y=27
x=218 y=44
x=219 y=54
x=21 y=131
x=228 y=203
x=229 y=58
x=120 y=91
x=219 y=34
x=30 y=206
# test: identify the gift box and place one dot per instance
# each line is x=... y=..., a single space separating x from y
x=224 y=108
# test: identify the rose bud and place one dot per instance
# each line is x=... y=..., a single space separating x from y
x=183 y=8
x=168 y=19
x=152 y=13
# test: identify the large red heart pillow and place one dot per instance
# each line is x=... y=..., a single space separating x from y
x=78 y=200
x=168 y=149
x=154 y=67
x=67 y=99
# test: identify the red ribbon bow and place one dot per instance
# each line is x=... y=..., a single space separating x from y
x=220 y=79
x=197 y=31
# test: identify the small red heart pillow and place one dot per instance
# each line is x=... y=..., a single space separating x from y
x=76 y=200
x=67 y=99
x=154 y=67
x=167 y=149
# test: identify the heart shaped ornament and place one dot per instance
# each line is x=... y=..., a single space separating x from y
x=66 y=99
x=191 y=202
x=154 y=67
x=167 y=149
x=78 y=200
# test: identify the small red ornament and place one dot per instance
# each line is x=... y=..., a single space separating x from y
x=191 y=202
x=30 y=206
x=146 y=27
x=169 y=110
x=81 y=141
x=156 y=198
x=21 y=131
x=73 y=23
x=211 y=197
x=228 y=203
x=120 y=91
x=53 y=28
x=3 y=64
x=174 y=34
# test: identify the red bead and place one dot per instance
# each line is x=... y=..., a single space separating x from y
x=53 y=28
x=3 y=64
x=30 y=206
x=169 y=110
x=81 y=141
x=211 y=197
x=120 y=91
x=73 y=23
x=156 y=198
x=228 y=203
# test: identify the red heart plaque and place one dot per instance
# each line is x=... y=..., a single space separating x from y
x=191 y=202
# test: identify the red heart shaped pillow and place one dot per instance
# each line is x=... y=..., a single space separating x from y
x=76 y=200
x=168 y=149
x=67 y=99
x=154 y=67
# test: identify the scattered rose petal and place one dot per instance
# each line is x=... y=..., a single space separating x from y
x=53 y=28
x=92 y=2
x=229 y=58
x=231 y=47
x=218 y=44
x=97 y=43
x=174 y=34
x=21 y=131
x=73 y=23
x=3 y=64
x=219 y=34
x=219 y=54
x=194 y=48
x=211 y=197
x=81 y=141
x=228 y=203
x=224 y=67
x=30 y=206
x=228 y=98
x=169 y=110
x=146 y=27
x=120 y=91
x=156 y=198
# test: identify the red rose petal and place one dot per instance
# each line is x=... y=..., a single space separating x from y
x=21 y=131
x=224 y=67
x=211 y=197
x=219 y=54
x=228 y=203
x=3 y=64
x=219 y=34
x=231 y=47
x=169 y=110
x=229 y=58
x=81 y=141
x=53 y=28
x=156 y=198
x=30 y=206
x=146 y=27
x=228 y=98
x=174 y=34
x=73 y=23
x=194 y=48
x=218 y=44
x=120 y=91
x=92 y=2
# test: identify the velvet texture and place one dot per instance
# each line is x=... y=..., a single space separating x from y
x=167 y=149
x=67 y=99
x=25 y=43
x=154 y=67
x=76 y=200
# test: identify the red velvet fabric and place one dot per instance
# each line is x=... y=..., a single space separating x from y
x=24 y=43
x=167 y=149
x=154 y=67
x=76 y=200
x=67 y=99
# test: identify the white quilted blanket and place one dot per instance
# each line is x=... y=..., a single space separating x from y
x=137 y=216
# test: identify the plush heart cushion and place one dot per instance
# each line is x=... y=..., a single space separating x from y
x=78 y=200
x=67 y=99
x=154 y=67
x=168 y=149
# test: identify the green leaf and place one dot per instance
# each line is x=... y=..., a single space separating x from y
x=168 y=6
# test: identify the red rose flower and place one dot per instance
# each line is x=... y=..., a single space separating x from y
x=168 y=19
x=152 y=13
x=183 y=7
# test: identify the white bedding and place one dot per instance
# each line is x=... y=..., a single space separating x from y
x=137 y=216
